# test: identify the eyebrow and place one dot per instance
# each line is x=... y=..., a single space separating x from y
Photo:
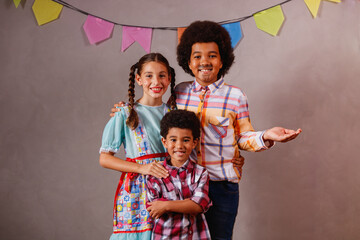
x=186 y=137
x=208 y=52
x=153 y=72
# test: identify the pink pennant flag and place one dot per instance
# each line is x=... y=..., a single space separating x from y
x=97 y=29
x=138 y=34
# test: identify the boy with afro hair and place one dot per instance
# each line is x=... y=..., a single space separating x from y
x=205 y=53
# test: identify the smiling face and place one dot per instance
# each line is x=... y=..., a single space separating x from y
x=154 y=79
x=205 y=62
x=179 y=143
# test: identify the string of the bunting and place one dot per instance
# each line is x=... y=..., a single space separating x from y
x=99 y=29
x=65 y=4
x=252 y=15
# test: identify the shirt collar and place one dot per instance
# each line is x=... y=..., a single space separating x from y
x=188 y=166
x=212 y=87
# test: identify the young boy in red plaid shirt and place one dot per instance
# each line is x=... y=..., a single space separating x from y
x=177 y=203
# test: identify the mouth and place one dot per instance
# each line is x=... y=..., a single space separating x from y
x=156 y=89
x=179 y=153
x=205 y=69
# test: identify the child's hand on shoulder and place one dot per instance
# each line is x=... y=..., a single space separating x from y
x=154 y=169
x=116 y=108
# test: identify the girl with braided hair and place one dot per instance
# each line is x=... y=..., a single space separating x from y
x=137 y=126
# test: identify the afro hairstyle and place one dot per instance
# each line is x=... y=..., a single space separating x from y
x=205 y=32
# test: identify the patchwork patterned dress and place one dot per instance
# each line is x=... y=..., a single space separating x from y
x=143 y=145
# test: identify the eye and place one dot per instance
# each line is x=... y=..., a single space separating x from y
x=148 y=75
x=213 y=56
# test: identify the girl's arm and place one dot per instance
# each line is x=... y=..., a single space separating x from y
x=108 y=160
x=186 y=206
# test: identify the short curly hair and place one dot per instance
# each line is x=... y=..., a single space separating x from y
x=205 y=32
x=180 y=119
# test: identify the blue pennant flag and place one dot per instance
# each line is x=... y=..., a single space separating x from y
x=234 y=29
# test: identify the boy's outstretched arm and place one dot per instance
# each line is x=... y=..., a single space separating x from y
x=280 y=134
x=186 y=206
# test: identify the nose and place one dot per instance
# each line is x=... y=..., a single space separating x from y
x=179 y=144
x=204 y=60
x=156 y=80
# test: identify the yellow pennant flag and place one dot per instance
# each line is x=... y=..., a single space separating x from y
x=17 y=2
x=270 y=20
x=46 y=11
x=313 y=6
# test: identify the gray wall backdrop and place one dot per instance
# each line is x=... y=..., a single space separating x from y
x=57 y=90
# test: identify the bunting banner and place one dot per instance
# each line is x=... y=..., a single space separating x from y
x=270 y=20
x=313 y=6
x=46 y=11
x=98 y=29
x=180 y=32
x=234 y=30
x=138 y=34
x=17 y=2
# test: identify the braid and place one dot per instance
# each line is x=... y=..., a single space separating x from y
x=133 y=120
x=172 y=88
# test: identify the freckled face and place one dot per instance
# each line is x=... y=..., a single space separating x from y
x=205 y=62
x=154 y=79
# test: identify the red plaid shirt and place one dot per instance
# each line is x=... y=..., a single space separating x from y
x=190 y=181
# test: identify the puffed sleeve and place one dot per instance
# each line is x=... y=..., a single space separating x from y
x=113 y=133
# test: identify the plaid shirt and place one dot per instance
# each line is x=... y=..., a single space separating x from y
x=225 y=126
x=190 y=181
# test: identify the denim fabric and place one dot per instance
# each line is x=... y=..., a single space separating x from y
x=221 y=216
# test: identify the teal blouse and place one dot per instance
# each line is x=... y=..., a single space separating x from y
x=116 y=131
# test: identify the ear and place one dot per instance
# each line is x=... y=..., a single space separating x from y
x=138 y=79
x=195 y=143
x=163 y=140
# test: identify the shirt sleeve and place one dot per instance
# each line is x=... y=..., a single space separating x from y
x=113 y=133
x=247 y=138
x=153 y=188
x=201 y=193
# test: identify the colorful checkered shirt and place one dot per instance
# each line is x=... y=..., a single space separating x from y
x=190 y=181
x=225 y=126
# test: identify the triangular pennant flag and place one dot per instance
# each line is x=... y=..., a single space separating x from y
x=17 y=2
x=138 y=34
x=97 y=30
x=180 y=31
x=234 y=29
x=270 y=20
x=46 y=11
x=313 y=6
